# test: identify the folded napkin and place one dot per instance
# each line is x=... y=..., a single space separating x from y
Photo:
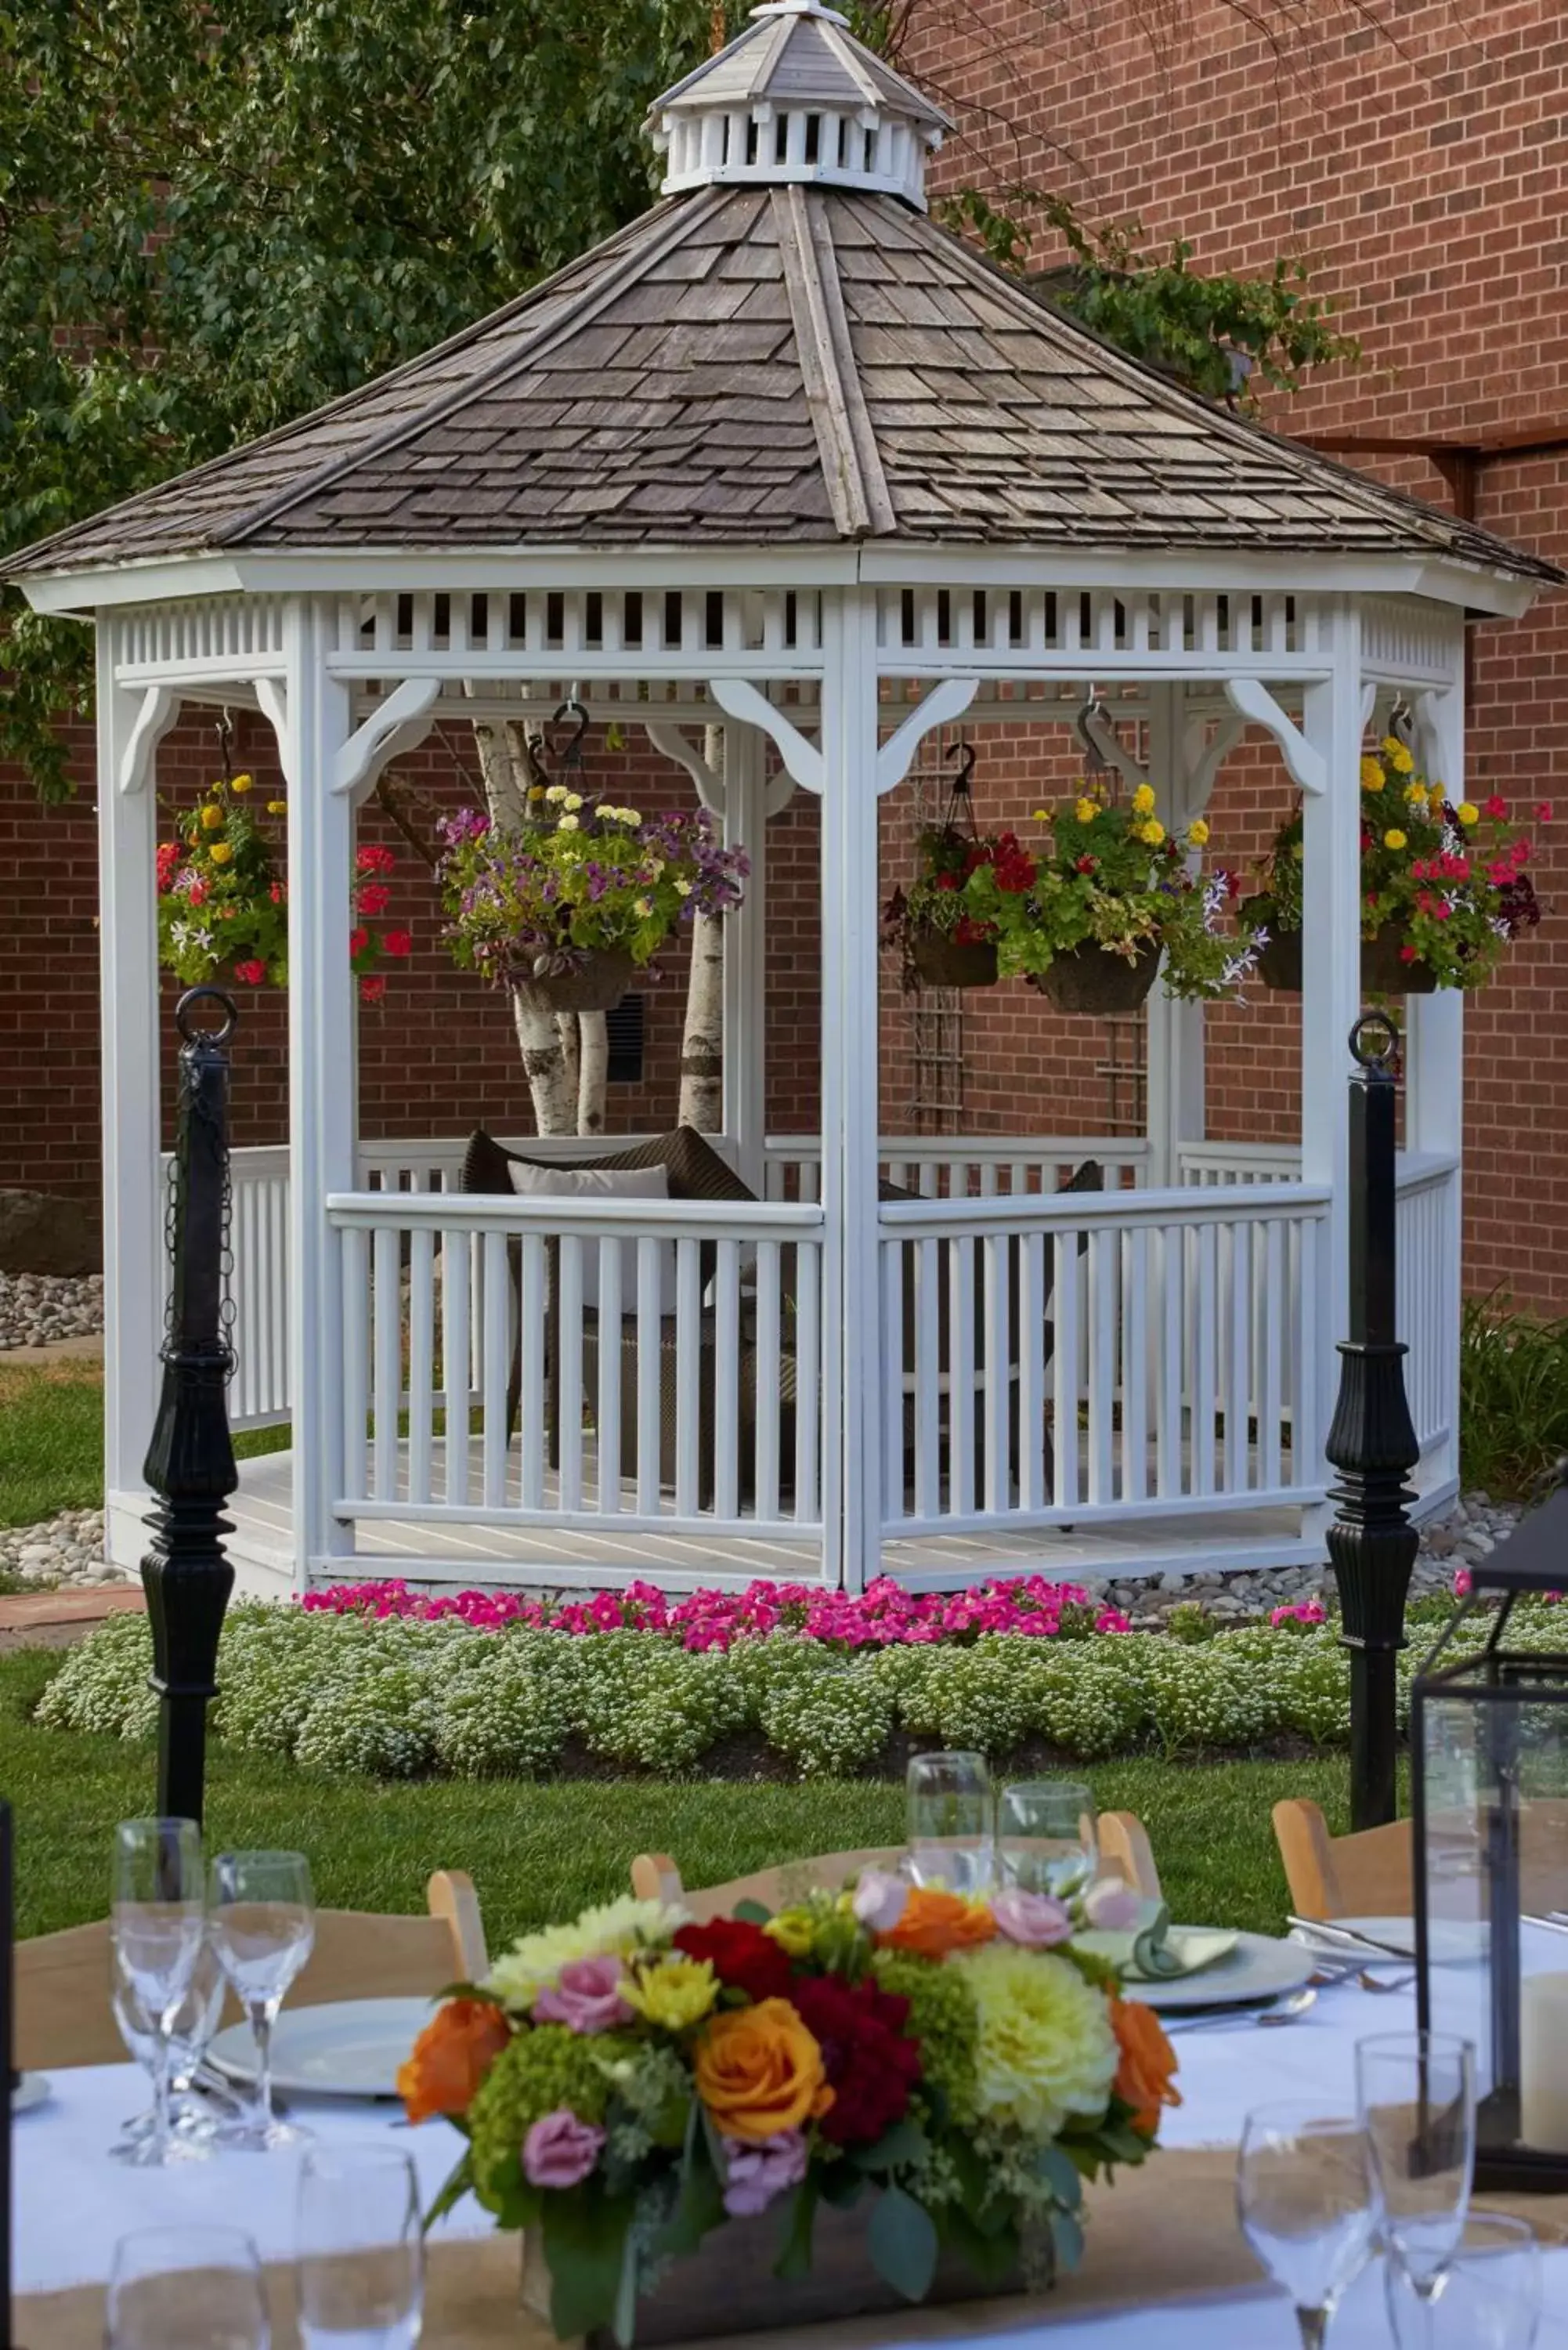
x=1154 y=1950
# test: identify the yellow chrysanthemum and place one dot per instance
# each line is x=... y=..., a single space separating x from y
x=1085 y=811
x=220 y=852
x=1143 y=800
x=240 y=784
x=1153 y=832
x=1044 y=2048
x=1394 y=840
x=1197 y=833
x=674 y=1993
x=1467 y=813
x=1372 y=777
x=277 y=808
x=212 y=819
x=1416 y=794
x=794 y=1930
x=615 y=1928
x=1399 y=759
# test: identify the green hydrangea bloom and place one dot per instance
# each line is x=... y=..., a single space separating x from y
x=536 y=2073
x=942 y=2018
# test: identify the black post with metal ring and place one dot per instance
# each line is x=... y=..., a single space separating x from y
x=1372 y=1441
x=190 y=1461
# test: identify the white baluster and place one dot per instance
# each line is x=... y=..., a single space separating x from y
x=496 y=1368
x=456 y=1360
x=421 y=1359
x=356 y=1356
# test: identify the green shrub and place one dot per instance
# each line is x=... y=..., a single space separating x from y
x=1513 y=1395
x=394 y=1697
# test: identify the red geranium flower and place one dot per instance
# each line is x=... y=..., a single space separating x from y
x=399 y=943
x=375 y=861
x=742 y=1956
x=170 y=857
x=372 y=990
x=358 y=941
x=252 y=972
x=1407 y=954
x=375 y=897
x=947 y=881
x=1496 y=808
x=870 y=2063
x=1087 y=864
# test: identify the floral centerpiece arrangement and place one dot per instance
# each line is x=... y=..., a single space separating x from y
x=223 y=902
x=951 y=2070
x=1110 y=893
x=581 y=895
x=1444 y=888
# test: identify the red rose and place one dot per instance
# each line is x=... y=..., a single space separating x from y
x=870 y=2063
x=744 y=1957
x=399 y=943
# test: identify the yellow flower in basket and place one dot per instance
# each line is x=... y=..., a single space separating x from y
x=1153 y=832
x=212 y=819
x=240 y=784
x=1371 y=775
x=1394 y=840
x=675 y=1993
x=1085 y=811
x=1197 y=833
x=1468 y=813
x=1143 y=800
x=1397 y=756
x=221 y=852
x=277 y=808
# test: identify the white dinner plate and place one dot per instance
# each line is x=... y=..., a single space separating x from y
x=1258 y=1968
x=31 y=2090
x=348 y=2048
x=1456 y=1942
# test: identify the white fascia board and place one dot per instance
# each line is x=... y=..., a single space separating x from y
x=78 y=594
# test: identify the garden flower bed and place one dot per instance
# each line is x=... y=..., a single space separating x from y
x=406 y=1693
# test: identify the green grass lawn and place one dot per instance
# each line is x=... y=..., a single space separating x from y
x=51 y=1439
x=538 y=1852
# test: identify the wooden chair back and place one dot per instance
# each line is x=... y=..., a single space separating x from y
x=655 y=1876
x=63 y=2012
x=1365 y=1875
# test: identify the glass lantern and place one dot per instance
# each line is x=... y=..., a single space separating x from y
x=1488 y=1742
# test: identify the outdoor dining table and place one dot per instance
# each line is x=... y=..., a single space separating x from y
x=1165 y=2269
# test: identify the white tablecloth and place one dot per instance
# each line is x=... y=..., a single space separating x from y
x=72 y=2202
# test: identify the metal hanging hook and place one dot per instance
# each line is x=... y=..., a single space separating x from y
x=570 y=753
x=224 y=723
x=964 y=750
x=1093 y=709
x=1374 y=1043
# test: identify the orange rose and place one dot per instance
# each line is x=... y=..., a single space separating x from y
x=760 y=2071
x=934 y=1923
x=450 y=2057
x=1148 y=2062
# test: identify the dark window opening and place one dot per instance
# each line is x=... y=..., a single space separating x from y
x=624 y=1027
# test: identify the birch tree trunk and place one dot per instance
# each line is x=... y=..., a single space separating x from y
x=703 y=1044
x=593 y=1071
x=538 y=1039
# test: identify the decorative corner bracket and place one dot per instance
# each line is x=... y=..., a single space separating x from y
x=739 y=699
x=946 y=700
x=1306 y=765
x=1202 y=758
x=160 y=708
x=396 y=724
x=273 y=696
x=669 y=740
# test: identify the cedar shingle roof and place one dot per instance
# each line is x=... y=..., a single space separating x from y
x=773 y=365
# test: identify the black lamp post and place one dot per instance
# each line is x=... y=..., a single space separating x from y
x=191 y=1459
x=1372 y=1441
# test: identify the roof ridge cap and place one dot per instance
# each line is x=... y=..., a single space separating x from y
x=685 y=217
x=1447 y=533
x=849 y=497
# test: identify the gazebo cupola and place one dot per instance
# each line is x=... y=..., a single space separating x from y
x=797 y=96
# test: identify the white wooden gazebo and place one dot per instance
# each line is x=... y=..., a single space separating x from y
x=782 y=455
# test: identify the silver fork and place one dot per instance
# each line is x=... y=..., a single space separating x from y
x=1280 y=2012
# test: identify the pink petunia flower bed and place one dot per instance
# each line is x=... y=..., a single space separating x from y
x=883 y=1615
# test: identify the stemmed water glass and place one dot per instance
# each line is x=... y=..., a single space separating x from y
x=186 y=2288
x=1045 y=1837
x=195 y=2021
x=262 y=1918
x=359 y=2258
x=1415 y=2092
x=156 y=1927
x=951 y=1830
x=1305 y=2202
x=1488 y=2296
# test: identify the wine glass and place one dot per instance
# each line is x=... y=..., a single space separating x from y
x=951 y=1833
x=1305 y=2202
x=1045 y=1837
x=359 y=2262
x=186 y=2288
x=1415 y=2092
x=262 y=1924
x=1487 y=2297
x=155 y=1932
x=195 y=2023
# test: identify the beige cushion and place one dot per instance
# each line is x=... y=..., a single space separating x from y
x=532 y=1180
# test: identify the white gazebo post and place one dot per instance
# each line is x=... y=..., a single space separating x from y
x=321 y=1104
x=1434 y=1046
x=1174 y=1063
x=745 y=959
x=128 y=726
x=1330 y=778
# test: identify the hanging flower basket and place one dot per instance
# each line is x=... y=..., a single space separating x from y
x=594 y=981
x=1091 y=978
x=940 y=959
x=1384 y=968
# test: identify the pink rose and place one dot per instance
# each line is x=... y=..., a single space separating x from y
x=756 y=2172
x=881 y=1900
x=1111 y=1906
x=560 y=2150
x=586 y=1998
x=1036 y=1921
